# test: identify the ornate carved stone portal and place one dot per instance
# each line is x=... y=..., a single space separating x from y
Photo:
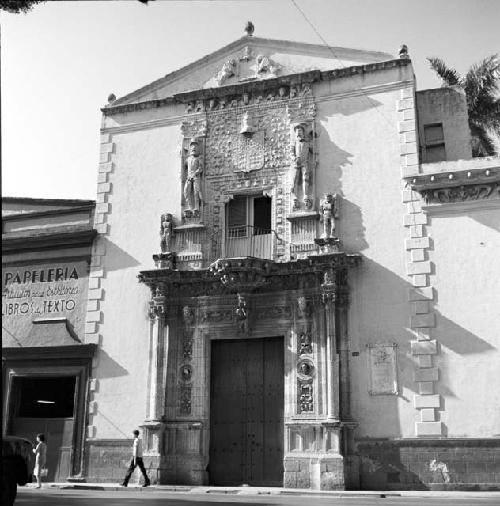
x=305 y=301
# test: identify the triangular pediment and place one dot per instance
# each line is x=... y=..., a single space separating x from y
x=251 y=59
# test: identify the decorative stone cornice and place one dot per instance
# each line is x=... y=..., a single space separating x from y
x=458 y=184
x=232 y=275
x=454 y=178
x=256 y=87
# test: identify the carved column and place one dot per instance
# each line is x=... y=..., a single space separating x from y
x=158 y=353
x=328 y=294
x=153 y=426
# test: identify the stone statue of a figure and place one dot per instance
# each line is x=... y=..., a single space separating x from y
x=301 y=166
x=328 y=213
x=166 y=232
x=192 y=186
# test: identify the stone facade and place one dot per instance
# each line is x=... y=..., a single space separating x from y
x=216 y=225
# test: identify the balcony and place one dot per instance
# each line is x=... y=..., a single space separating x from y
x=247 y=240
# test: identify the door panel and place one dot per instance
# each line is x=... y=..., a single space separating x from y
x=246 y=443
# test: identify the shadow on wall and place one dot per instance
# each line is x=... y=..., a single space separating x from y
x=337 y=160
x=384 y=465
x=116 y=257
x=108 y=367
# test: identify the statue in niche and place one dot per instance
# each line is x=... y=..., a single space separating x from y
x=328 y=213
x=301 y=167
x=192 y=186
x=166 y=232
x=228 y=70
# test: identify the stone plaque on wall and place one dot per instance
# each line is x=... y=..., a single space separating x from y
x=382 y=369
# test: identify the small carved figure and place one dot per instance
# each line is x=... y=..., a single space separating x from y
x=241 y=314
x=403 y=51
x=328 y=213
x=305 y=343
x=188 y=315
x=305 y=369
x=281 y=91
x=249 y=28
x=192 y=186
x=301 y=167
x=266 y=65
x=303 y=307
x=246 y=125
x=211 y=103
x=166 y=232
x=228 y=70
x=246 y=98
x=186 y=372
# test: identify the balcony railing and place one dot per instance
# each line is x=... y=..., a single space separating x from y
x=247 y=240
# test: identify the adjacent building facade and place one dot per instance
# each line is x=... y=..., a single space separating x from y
x=46 y=362
x=288 y=286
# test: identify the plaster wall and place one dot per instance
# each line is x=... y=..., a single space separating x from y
x=465 y=253
x=366 y=173
x=144 y=184
x=449 y=107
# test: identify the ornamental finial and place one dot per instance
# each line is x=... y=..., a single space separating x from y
x=403 y=51
x=249 y=28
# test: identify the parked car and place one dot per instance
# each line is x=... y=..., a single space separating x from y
x=17 y=466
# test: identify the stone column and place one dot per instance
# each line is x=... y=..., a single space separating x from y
x=328 y=294
x=153 y=427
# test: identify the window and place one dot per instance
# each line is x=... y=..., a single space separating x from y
x=248 y=215
x=44 y=397
x=434 y=143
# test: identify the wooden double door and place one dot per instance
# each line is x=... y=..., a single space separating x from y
x=246 y=412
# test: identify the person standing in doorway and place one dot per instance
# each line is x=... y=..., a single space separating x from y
x=136 y=461
x=40 y=459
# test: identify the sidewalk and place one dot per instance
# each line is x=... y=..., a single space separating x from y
x=270 y=491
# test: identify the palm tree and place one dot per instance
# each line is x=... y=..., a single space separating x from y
x=482 y=89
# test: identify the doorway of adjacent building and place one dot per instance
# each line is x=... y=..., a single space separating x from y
x=246 y=412
x=46 y=405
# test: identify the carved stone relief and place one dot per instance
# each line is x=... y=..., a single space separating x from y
x=305 y=397
x=185 y=399
x=187 y=345
x=462 y=193
x=304 y=343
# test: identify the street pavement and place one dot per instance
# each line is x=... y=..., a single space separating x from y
x=156 y=496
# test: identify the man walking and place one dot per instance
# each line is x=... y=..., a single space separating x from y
x=136 y=461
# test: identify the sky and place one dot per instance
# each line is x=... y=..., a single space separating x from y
x=60 y=62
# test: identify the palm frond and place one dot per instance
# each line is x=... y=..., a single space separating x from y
x=482 y=81
x=482 y=143
x=449 y=75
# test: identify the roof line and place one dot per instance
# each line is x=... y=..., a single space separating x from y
x=35 y=200
x=248 y=39
x=309 y=76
